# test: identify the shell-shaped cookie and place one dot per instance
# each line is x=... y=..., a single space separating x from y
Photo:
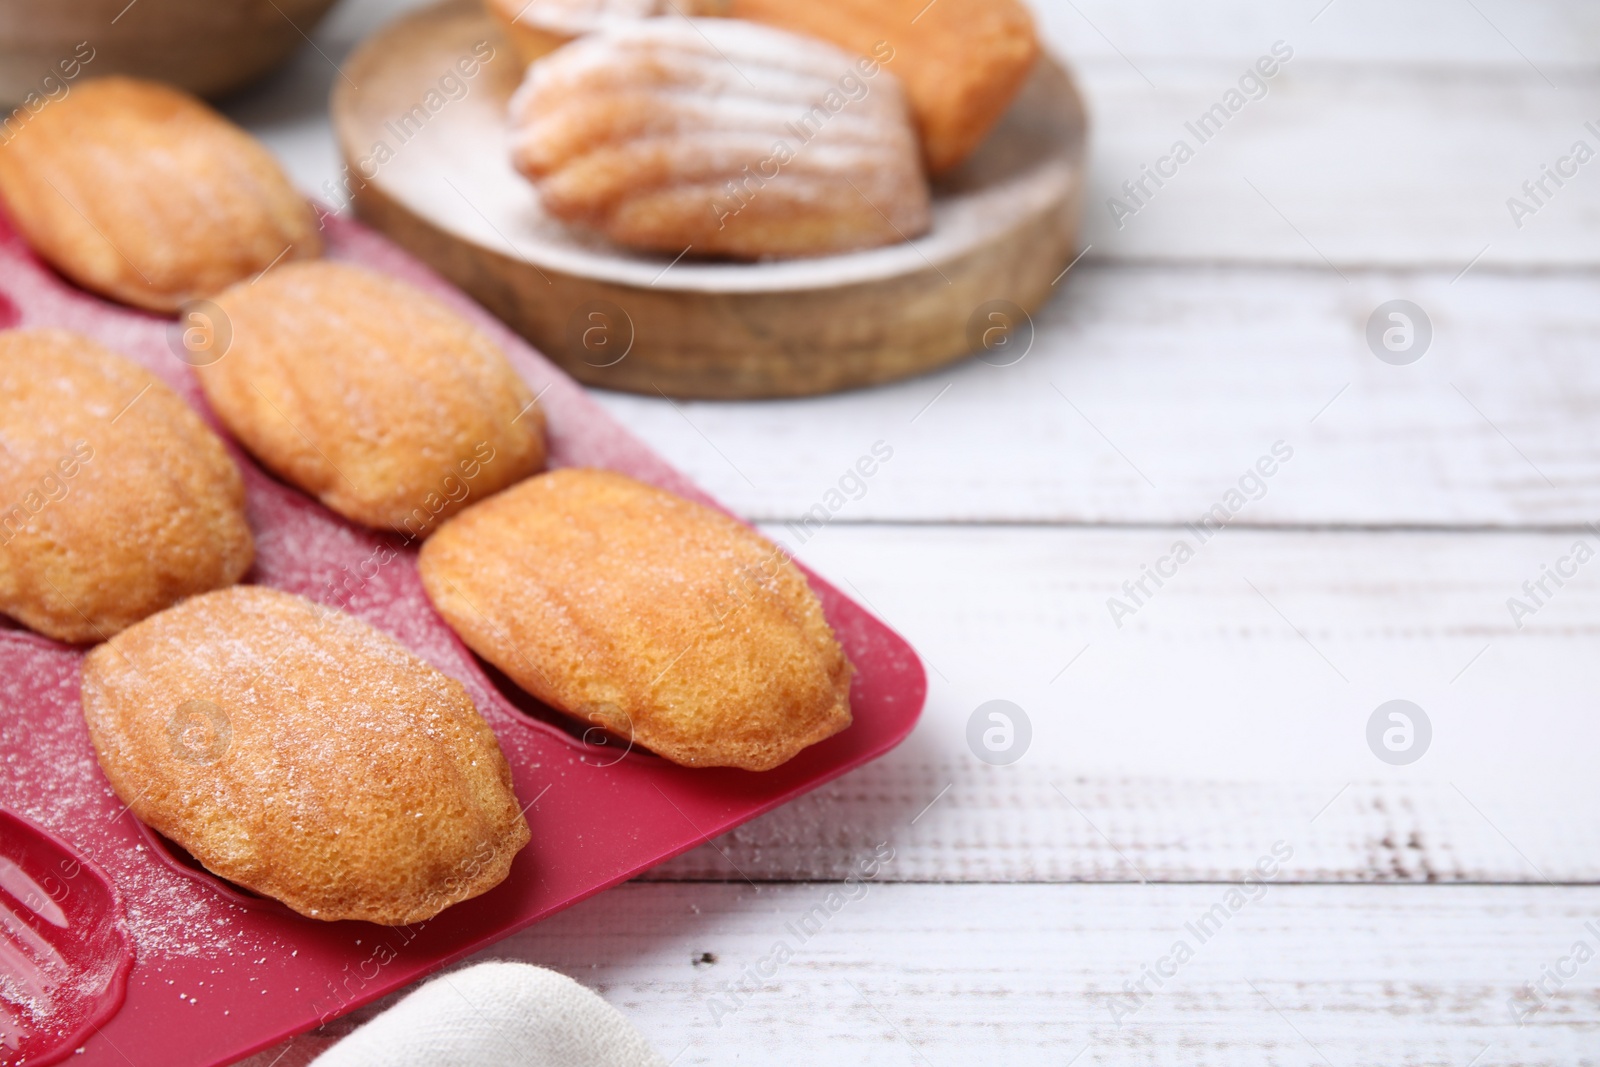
x=370 y=395
x=716 y=137
x=962 y=61
x=300 y=753
x=144 y=194
x=667 y=623
x=536 y=27
x=117 y=500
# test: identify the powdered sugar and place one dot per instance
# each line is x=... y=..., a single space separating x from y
x=48 y=771
x=248 y=976
x=574 y=17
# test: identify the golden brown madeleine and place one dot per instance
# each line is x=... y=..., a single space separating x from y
x=371 y=395
x=116 y=501
x=962 y=61
x=536 y=27
x=142 y=193
x=720 y=137
x=661 y=620
x=300 y=753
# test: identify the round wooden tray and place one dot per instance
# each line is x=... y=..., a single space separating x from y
x=427 y=148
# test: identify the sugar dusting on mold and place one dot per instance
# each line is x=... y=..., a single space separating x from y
x=48 y=771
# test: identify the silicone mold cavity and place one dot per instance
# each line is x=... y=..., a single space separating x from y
x=64 y=946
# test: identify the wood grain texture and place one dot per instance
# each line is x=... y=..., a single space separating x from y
x=1004 y=227
x=940 y=975
x=1207 y=728
x=1392 y=137
x=1493 y=426
x=1229 y=711
x=1334 y=169
x=1044 y=825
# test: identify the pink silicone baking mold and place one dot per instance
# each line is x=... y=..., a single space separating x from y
x=65 y=950
x=218 y=974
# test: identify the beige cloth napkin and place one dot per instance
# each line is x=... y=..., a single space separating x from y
x=496 y=1015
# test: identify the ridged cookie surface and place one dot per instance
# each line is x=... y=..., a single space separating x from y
x=117 y=500
x=371 y=395
x=663 y=621
x=142 y=193
x=962 y=61
x=300 y=753
x=720 y=138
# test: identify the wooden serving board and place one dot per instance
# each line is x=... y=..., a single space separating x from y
x=429 y=164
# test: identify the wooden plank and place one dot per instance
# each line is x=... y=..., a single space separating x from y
x=1149 y=392
x=1045 y=825
x=1391 y=136
x=936 y=975
x=1553 y=34
x=1230 y=710
x=1338 y=167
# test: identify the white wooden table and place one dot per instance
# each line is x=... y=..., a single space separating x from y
x=1032 y=912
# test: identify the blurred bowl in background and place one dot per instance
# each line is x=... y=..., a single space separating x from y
x=209 y=47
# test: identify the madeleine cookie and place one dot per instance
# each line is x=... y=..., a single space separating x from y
x=962 y=61
x=665 y=622
x=300 y=753
x=720 y=138
x=146 y=195
x=118 y=501
x=536 y=27
x=371 y=395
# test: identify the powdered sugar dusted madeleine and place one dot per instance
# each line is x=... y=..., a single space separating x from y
x=118 y=501
x=142 y=193
x=661 y=620
x=300 y=753
x=374 y=397
x=722 y=138
x=536 y=27
x=962 y=61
